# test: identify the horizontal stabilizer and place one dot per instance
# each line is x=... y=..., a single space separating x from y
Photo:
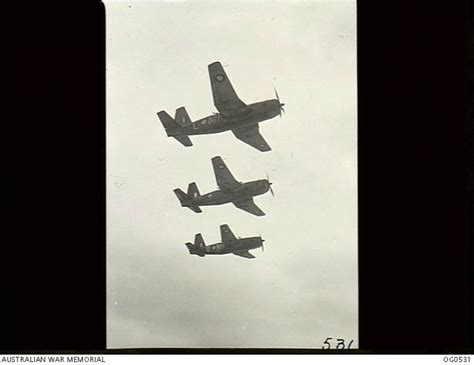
x=186 y=201
x=168 y=122
x=173 y=128
x=194 y=250
x=182 y=196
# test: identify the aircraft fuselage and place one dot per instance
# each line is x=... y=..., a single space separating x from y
x=242 y=244
x=217 y=122
x=247 y=190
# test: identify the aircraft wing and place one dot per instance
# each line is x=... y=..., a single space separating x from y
x=252 y=136
x=225 y=98
x=227 y=235
x=249 y=206
x=224 y=177
x=245 y=254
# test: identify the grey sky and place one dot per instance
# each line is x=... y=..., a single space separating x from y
x=303 y=288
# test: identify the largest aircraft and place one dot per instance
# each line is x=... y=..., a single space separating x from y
x=234 y=115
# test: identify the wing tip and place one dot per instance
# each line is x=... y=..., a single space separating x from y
x=215 y=63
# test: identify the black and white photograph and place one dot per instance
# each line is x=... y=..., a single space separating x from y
x=191 y=180
x=231 y=175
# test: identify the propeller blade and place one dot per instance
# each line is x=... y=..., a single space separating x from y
x=270 y=185
x=276 y=94
x=279 y=102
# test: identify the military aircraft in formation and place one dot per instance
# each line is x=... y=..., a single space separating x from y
x=230 y=191
x=230 y=244
x=242 y=119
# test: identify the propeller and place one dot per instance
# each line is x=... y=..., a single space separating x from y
x=270 y=186
x=278 y=98
x=263 y=249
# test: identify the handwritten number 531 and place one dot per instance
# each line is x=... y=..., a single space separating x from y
x=338 y=344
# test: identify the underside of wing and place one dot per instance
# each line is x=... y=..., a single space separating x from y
x=184 y=140
x=249 y=206
x=227 y=235
x=245 y=254
x=195 y=208
x=224 y=177
x=252 y=136
x=225 y=98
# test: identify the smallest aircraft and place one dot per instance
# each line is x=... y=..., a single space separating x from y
x=230 y=244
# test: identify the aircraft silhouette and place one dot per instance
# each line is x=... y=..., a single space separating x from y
x=230 y=191
x=230 y=244
x=234 y=114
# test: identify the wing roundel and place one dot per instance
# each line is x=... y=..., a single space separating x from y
x=225 y=97
x=224 y=177
x=227 y=235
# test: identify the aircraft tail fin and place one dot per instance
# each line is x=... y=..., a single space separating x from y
x=193 y=190
x=181 y=117
x=171 y=126
x=186 y=200
x=199 y=241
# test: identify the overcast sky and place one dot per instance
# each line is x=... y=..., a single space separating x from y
x=303 y=288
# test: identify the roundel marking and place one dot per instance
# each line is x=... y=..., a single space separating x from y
x=221 y=166
x=220 y=78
